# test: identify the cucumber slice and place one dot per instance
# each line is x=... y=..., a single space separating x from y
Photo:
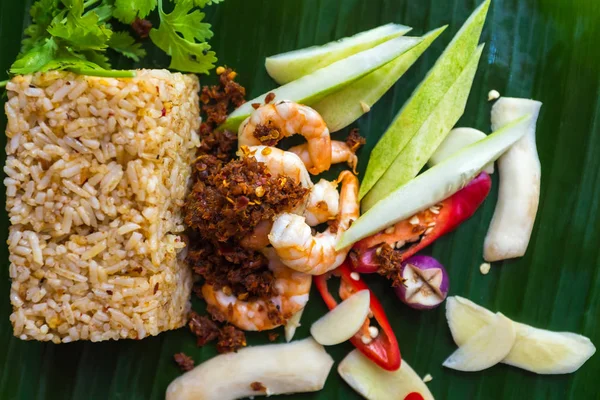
x=313 y=87
x=428 y=137
x=345 y=106
x=286 y=67
x=458 y=139
x=435 y=184
x=425 y=99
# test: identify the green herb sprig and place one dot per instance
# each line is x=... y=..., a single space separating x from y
x=76 y=35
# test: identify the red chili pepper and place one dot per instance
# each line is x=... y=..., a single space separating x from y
x=425 y=227
x=413 y=396
x=383 y=349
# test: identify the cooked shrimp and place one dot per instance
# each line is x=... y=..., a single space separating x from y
x=322 y=206
x=292 y=238
x=293 y=288
x=323 y=203
x=289 y=118
x=259 y=238
x=340 y=152
x=280 y=162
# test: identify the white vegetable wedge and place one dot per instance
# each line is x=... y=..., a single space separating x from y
x=486 y=348
x=291 y=325
x=341 y=323
x=313 y=87
x=546 y=352
x=519 y=191
x=286 y=67
x=433 y=185
x=375 y=383
x=300 y=366
x=458 y=139
x=536 y=350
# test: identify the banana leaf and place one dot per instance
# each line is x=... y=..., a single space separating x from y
x=544 y=49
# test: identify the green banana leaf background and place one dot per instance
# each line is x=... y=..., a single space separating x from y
x=544 y=49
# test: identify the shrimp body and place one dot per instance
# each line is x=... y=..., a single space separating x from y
x=340 y=152
x=292 y=239
x=290 y=118
x=293 y=288
x=323 y=203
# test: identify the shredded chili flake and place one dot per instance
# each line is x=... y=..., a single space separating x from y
x=218 y=100
x=224 y=204
x=272 y=336
x=267 y=134
x=230 y=340
x=354 y=140
x=185 y=362
x=269 y=97
x=258 y=387
x=203 y=328
x=244 y=272
x=390 y=262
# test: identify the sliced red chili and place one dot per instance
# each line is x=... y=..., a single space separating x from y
x=383 y=349
x=423 y=228
x=414 y=396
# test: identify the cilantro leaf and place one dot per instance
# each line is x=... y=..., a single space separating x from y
x=35 y=59
x=78 y=30
x=43 y=11
x=178 y=36
x=96 y=57
x=84 y=67
x=104 y=10
x=204 y=3
x=125 y=44
x=128 y=10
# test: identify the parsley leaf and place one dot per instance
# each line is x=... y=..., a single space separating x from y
x=179 y=35
x=125 y=44
x=128 y=10
x=78 y=30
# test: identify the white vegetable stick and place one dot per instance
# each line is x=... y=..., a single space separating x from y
x=300 y=366
x=519 y=193
x=291 y=325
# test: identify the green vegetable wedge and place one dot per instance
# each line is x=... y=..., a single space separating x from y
x=286 y=67
x=432 y=133
x=343 y=107
x=435 y=184
x=425 y=98
x=313 y=87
